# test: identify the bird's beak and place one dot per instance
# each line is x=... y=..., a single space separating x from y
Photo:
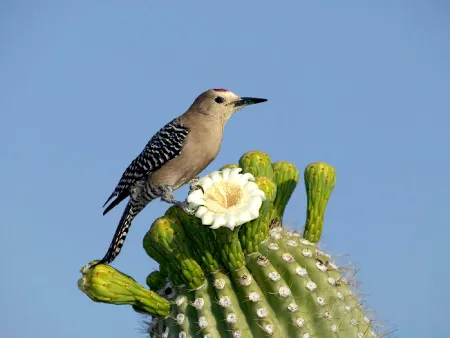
x=246 y=101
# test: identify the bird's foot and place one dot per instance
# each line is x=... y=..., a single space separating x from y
x=185 y=207
x=194 y=185
x=168 y=197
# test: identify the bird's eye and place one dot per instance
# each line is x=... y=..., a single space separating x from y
x=219 y=99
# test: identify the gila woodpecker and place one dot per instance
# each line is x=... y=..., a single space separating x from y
x=173 y=157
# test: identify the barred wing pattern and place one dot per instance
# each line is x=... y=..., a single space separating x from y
x=164 y=146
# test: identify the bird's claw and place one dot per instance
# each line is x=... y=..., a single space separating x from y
x=185 y=207
x=194 y=185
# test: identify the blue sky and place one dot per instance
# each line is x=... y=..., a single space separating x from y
x=363 y=86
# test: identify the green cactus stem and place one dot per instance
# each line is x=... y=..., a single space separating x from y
x=156 y=280
x=105 y=284
x=320 y=179
x=257 y=230
x=166 y=243
x=256 y=163
x=257 y=280
x=285 y=176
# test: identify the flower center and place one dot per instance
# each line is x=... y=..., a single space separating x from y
x=223 y=196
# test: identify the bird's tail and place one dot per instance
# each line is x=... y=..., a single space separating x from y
x=128 y=215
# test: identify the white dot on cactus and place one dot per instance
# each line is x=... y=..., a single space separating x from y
x=347 y=308
x=333 y=265
x=296 y=234
x=269 y=329
x=262 y=313
x=219 y=283
x=367 y=320
x=353 y=322
x=277 y=230
x=301 y=271
x=275 y=276
x=245 y=280
x=225 y=301
x=307 y=253
x=350 y=293
x=207 y=336
x=202 y=322
x=321 y=253
x=165 y=333
x=275 y=234
x=305 y=241
x=182 y=334
x=334 y=328
x=306 y=335
x=289 y=233
x=273 y=246
x=180 y=318
x=198 y=303
x=373 y=334
x=320 y=301
x=300 y=322
x=262 y=260
x=321 y=266
x=284 y=291
x=292 y=307
x=180 y=300
x=360 y=335
x=311 y=286
x=331 y=281
x=287 y=257
x=327 y=315
x=292 y=243
x=237 y=334
x=231 y=318
x=340 y=296
x=254 y=297
x=227 y=198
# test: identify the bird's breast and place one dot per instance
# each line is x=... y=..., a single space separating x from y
x=199 y=150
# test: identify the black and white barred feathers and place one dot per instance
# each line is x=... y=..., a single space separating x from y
x=164 y=146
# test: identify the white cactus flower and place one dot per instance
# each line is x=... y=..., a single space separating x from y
x=228 y=199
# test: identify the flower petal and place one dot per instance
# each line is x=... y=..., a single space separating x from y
x=243 y=217
x=205 y=182
x=208 y=218
x=235 y=173
x=246 y=178
x=219 y=221
x=216 y=176
x=196 y=197
x=226 y=173
x=201 y=211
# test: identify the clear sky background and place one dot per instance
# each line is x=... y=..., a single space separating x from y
x=362 y=85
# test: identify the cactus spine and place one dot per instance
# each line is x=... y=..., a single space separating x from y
x=254 y=281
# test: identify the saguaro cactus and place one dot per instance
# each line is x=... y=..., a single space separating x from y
x=233 y=269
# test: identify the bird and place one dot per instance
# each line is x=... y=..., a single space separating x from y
x=174 y=156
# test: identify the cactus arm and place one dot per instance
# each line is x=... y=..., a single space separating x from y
x=103 y=283
x=257 y=230
x=285 y=176
x=320 y=179
x=167 y=241
x=256 y=163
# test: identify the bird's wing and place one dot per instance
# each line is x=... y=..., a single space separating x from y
x=164 y=146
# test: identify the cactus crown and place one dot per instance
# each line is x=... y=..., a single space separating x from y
x=225 y=274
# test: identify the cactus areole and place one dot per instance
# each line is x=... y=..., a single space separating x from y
x=233 y=269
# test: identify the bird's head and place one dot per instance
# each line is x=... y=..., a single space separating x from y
x=221 y=103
